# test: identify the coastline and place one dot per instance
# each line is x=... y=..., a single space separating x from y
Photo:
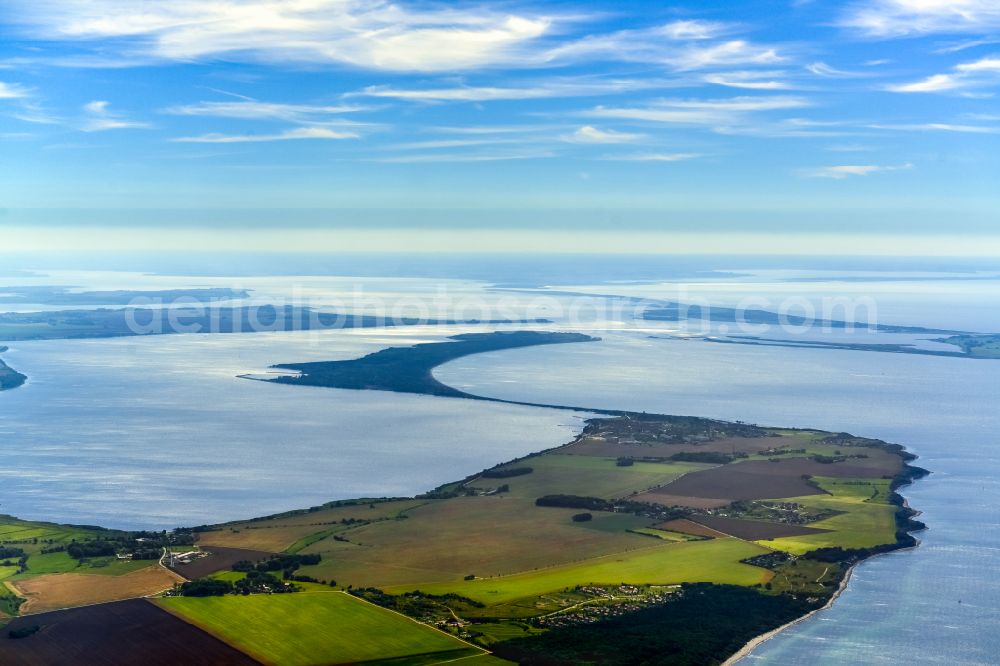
x=756 y=642
x=904 y=514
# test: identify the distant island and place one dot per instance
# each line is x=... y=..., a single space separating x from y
x=9 y=378
x=973 y=346
x=408 y=369
x=673 y=312
x=54 y=295
x=124 y=322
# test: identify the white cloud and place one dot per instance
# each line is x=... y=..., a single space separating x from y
x=847 y=171
x=539 y=90
x=591 y=134
x=680 y=45
x=12 y=91
x=467 y=157
x=99 y=118
x=908 y=18
x=820 y=68
x=254 y=110
x=983 y=72
x=749 y=80
x=652 y=157
x=298 y=133
x=367 y=33
x=939 y=127
x=717 y=112
x=373 y=34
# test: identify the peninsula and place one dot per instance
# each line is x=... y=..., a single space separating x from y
x=9 y=378
x=647 y=538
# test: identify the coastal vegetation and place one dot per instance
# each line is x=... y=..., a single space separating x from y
x=408 y=369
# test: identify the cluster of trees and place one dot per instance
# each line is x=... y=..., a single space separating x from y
x=702 y=624
x=205 y=587
x=710 y=457
x=507 y=472
x=7 y=552
x=79 y=550
x=621 y=506
x=575 y=502
x=417 y=604
x=256 y=582
x=13 y=557
x=287 y=564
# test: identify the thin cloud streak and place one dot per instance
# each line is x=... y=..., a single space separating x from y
x=850 y=170
x=297 y=134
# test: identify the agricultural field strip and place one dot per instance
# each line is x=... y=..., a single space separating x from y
x=270 y=627
x=727 y=550
x=417 y=622
x=11 y=585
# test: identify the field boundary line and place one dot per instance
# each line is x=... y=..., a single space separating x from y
x=422 y=624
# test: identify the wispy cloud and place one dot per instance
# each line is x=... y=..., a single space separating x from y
x=367 y=33
x=99 y=118
x=376 y=34
x=938 y=127
x=652 y=157
x=591 y=134
x=820 y=68
x=701 y=112
x=908 y=18
x=750 y=80
x=13 y=91
x=983 y=72
x=537 y=90
x=850 y=170
x=296 y=134
x=466 y=157
x=250 y=109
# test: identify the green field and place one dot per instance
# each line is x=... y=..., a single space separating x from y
x=26 y=534
x=714 y=561
x=308 y=628
x=486 y=535
x=559 y=474
x=867 y=518
x=51 y=563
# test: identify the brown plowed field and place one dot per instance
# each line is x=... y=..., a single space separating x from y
x=751 y=530
x=116 y=634
x=685 y=526
x=221 y=559
x=761 y=479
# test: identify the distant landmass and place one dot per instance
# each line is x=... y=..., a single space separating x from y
x=675 y=312
x=973 y=346
x=60 y=295
x=109 y=323
x=408 y=369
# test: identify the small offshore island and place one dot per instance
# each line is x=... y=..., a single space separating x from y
x=646 y=539
x=9 y=378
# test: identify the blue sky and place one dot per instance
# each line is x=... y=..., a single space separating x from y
x=686 y=126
